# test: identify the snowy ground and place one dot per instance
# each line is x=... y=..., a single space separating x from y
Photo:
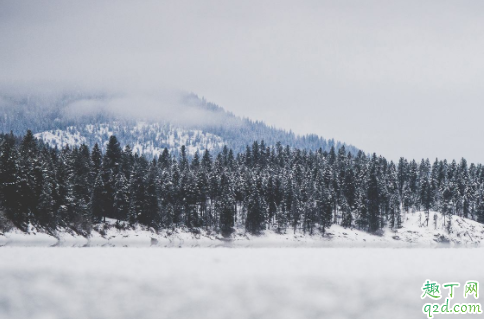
x=414 y=233
x=62 y=282
x=322 y=278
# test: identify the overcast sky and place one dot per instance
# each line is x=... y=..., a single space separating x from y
x=400 y=78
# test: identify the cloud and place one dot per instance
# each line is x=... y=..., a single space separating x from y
x=398 y=78
x=173 y=107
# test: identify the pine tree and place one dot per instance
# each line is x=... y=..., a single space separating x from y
x=79 y=180
x=138 y=192
x=9 y=177
x=256 y=209
x=96 y=160
x=480 y=206
x=207 y=161
x=150 y=211
x=46 y=204
x=30 y=176
x=121 y=197
x=189 y=196
x=373 y=199
x=349 y=188
x=347 y=217
x=449 y=198
x=426 y=197
x=226 y=207
x=271 y=199
x=324 y=208
x=413 y=184
x=97 y=200
x=195 y=164
x=183 y=159
x=164 y=160
x=110 y=168
x=402 y=175
x=127 y=161
x=393 y=189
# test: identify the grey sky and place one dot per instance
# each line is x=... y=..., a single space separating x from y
x=400 y=78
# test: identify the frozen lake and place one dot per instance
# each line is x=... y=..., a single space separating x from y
x=226 y=283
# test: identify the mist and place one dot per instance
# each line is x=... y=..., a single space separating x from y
x=161 y=106
x=396 y=78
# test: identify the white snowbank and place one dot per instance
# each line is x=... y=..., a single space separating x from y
x=414 y=233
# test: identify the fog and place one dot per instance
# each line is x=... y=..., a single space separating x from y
x=161 y=106
x=396 y=78
x=173 y=107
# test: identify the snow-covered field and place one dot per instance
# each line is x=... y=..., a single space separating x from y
x=62 y=282
x=343 y=275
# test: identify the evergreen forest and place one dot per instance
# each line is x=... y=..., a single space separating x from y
x=265 y=187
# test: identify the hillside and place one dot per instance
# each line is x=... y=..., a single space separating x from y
x=143 y=138
x=464 y=233
x=147 y=125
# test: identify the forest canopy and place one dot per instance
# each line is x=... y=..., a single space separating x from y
x=266 y=187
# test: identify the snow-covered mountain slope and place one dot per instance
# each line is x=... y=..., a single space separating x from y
x=145 y=124
x=142 y=137
x=463 y=232
x=414 y=233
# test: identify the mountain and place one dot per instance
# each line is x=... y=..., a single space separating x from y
x=148 y=125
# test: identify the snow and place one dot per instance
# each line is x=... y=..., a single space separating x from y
x=323 y=277
x=225 y=283
x=32 y=237
x=61 y=138
x=143 y=137
x=414 y=233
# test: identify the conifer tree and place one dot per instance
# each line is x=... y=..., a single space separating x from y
x=226 y=207
x=150 y=211
x=9 y=177
x=121 y=197
x=97 y=200
x=324 y=207
x=96 y=160
x=426 y=197
x=373 y=199
x=255 y=211
x=111 y=166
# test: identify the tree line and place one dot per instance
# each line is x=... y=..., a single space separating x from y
x=266 y=187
